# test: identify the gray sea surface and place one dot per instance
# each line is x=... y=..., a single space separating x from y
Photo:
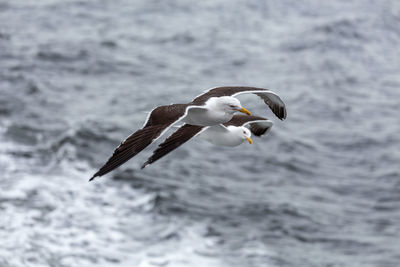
x=322 y=189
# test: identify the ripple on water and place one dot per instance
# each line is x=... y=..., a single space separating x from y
x=320 y=190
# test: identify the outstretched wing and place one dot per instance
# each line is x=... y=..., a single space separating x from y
x=257 y=125
x=181 y=136
x=270 y=98
x=158 y=122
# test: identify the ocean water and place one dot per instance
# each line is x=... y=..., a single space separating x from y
x=322 y=189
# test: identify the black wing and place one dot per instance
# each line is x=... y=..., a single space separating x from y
x=270 y=98
x=260 y=128
x=242 y=120
x=257 y=125
x=181 y=136
x=159 y=120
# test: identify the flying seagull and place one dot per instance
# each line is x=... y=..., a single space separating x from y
x=231 y=133
x=216 y=106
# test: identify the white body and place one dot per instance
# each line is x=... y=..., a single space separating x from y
x=217 y=110
x=225 y=136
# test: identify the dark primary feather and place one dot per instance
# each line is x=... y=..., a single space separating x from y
x=279 y=111
x=159 y=120
x=269 y=98
x=258 y=129
x=181 y=136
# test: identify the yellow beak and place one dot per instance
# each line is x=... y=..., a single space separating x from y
x=244 y=111
x=249 y=139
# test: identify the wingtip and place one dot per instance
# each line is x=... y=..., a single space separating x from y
x=144 y=165
x=91 y=179
x=283 y=113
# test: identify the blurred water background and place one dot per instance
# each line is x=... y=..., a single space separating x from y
x=77 y=77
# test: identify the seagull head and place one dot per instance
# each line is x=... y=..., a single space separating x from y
x=232 y=105
x=241 y=134
x=244 y=134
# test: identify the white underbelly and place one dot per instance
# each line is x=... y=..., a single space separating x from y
x=221 y=139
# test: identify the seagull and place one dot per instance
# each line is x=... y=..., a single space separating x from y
x=234 y=132
x=231 y=134
x=213 y=107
